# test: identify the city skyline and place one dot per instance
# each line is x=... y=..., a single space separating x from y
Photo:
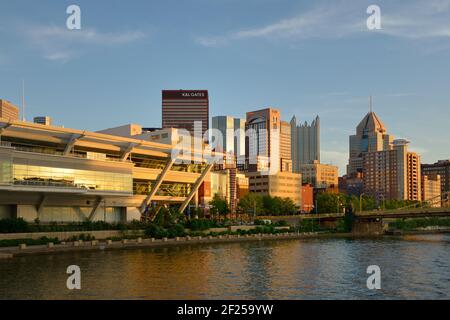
x=130 y=58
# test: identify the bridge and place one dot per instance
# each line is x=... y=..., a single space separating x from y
x=380 y=214
x=371 y=222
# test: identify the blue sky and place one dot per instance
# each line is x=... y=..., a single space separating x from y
x=303 y=57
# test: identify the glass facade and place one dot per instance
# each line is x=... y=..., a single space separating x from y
x=5 y=171
x=171 y=189
x=72 y=178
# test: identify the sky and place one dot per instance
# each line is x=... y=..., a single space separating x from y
x=305 y=58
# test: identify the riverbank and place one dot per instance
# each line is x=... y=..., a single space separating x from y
x=104 y=245
x=95 y=245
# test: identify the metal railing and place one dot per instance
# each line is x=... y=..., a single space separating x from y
x=57 y=153
x=5 y=144
x=35 y=183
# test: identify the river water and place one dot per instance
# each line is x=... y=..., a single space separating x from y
x=412 y=267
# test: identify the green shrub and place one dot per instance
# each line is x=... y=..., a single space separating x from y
x=28 y=242
x=20 y=225
x=14 y=226
x=411 y=224
x=155 y=231
x=176 y=231
x=281 y=223
x=201 y=224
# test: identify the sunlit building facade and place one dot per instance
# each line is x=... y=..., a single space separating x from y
x=282 y=184
x=431 y=190
x=392 y=174
x=371 y=136
x=285 y=147
x=441 y=168
x=8 y=110
x=320 y=175
x=263 y=140
x=57 y=174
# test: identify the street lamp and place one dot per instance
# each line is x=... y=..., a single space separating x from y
x=384 y=200
x=360 y=201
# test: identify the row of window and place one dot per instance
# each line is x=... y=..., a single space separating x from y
x=85 y=179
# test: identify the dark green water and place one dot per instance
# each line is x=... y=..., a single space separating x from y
x=412 y=267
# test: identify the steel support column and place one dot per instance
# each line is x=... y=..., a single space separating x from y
x=40 y=206
x=73 y=140
x=157 y=184
x=126 y=153
x=195 y=187
x=95 y=208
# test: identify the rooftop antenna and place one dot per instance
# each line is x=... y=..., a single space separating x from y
x=370 y=103
x=23 y=100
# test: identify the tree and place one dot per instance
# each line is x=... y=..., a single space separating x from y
x=251 y=203
x=287 y=206
x=328 y=202
x=219 y=205
x=271 y=205
x=258 y=205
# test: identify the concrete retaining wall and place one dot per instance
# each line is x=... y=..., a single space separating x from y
x=67 y=235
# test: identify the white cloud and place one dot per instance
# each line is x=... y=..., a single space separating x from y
x=410 y=20
x=60 y=44
x=317 y=22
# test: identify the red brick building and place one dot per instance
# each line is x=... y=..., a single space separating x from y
x=307 y=198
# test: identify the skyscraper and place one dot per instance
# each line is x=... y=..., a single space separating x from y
x=263 y=140
x=305 y=143
x=182 y=108
x=233 y=134
x=370 y=136
x=285 y=147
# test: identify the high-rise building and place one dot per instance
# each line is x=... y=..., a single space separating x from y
x=233 y=134
x=285 y=147
x=319 y=175
x=44 y=120
x=431 y=190
x=370 y=136
x=8 y=110
x=263 y=140
x=442 y=168
x=305 y=142
x=392 y=174
x=182 y=108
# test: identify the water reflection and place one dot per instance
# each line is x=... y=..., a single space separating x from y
x=412 y=267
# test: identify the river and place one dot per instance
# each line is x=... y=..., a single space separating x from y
x=412 y=267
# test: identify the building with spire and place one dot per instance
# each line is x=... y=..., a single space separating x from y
x=371 y=136
x=385 y=167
